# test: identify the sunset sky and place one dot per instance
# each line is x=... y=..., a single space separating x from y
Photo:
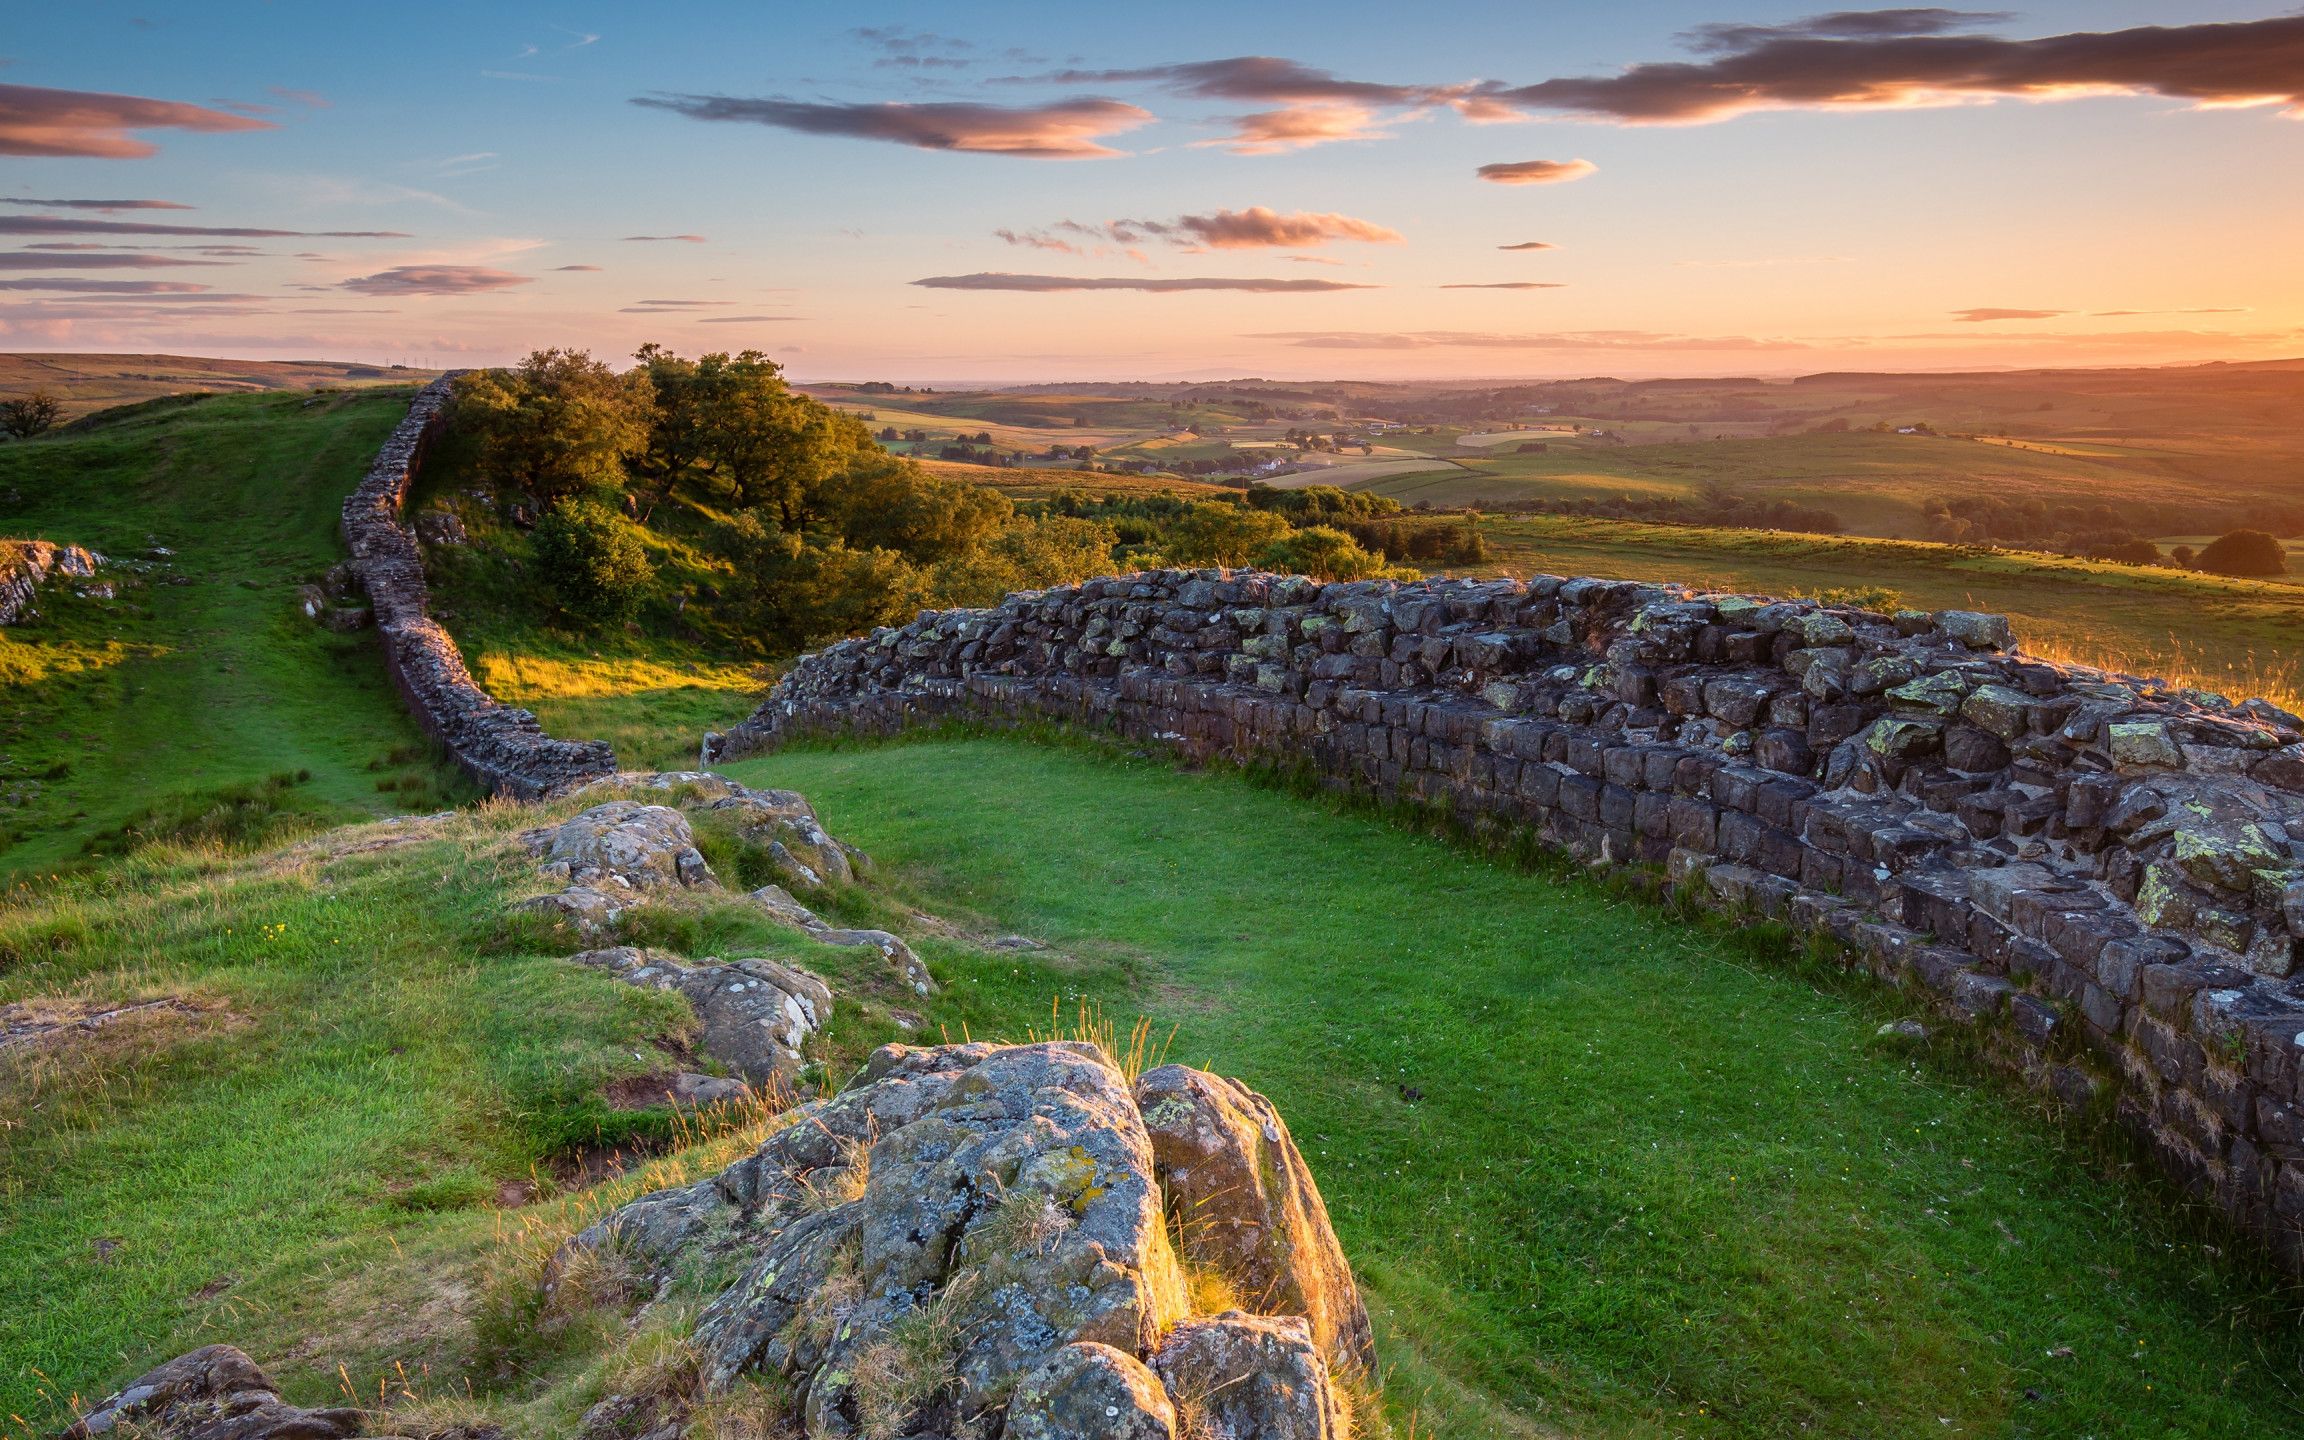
x=935 y=193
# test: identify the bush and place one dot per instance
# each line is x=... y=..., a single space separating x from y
x=2244 y=552
x=592 y=560
x=556 y=424
x=1326 y=553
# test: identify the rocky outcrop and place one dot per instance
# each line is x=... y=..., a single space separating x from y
x=755 y=1015
x=25 y=566
x=500 y=746
x=213 y=1393
x=619 y=853
x=972 y=1239
x=1242 y=1203
x=2107 y=871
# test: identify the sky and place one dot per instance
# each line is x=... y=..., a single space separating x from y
x=940 y=193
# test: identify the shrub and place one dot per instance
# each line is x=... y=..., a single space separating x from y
x=2244 y=552
x=1326 y=553
x=556 y=424
x=30 y=415
x=592 y=560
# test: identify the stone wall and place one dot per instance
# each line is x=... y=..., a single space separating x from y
x=2105 y=872
x=501 y=746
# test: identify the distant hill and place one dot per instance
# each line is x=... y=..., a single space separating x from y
x=88 y=383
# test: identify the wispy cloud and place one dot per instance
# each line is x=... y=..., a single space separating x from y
x=1991 y=312
x=2238 y=63
x=1061 y=130
x=24 y=260
x=434 y=280
x=1504 y=285
x=903 y=49
x=589 y=268
x=2195 y=310
x=1578 y=340
x=64 y=225
x=1051 y=284
x=648 y=239
x=744 y=319
x=106 y=287
x=309 y=99
x=1536 y=172
x=1258 y=227
x=1530 y=245
x=1299 y=127
x=106 y=207
x=1840 y=25
x=90 y=124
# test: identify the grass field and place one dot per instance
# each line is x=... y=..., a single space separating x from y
x=1658 y=1179
x=203 y=673
x=88 y=383
x=2243 y=637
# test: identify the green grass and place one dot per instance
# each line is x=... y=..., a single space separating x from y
x=175 y=693
x=1655 y=1185
x=2240 y=637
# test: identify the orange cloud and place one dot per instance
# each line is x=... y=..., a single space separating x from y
x=1257 y=227
x=1992 y=313
x=1536 y=172
x=1050 y=284
x=1298 y=127
x=90 y=124
x=1060 y=130
x=434 y=280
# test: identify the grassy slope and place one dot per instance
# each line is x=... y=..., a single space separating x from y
x=1652 y=1188
x=94 y=382
x=2238 y=636
x=1658 y=1180
x=173 y=688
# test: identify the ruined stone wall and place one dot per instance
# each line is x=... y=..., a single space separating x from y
x=501 y=746
x=2106 y=872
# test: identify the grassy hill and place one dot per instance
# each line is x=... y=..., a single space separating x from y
x=201 y=678
x=1655 y=1178
x=1604 y=1171
x=87 y=383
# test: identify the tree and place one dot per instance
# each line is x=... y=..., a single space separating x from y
x=556 y=424
x=593 y=560
x=1210 y=533
x=1326 y=553
x=795 y=590
x=887 y=502
x=2244 y=552
x=30 y=415
x=2184 y=556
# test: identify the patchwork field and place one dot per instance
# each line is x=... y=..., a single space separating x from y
x=87 y=383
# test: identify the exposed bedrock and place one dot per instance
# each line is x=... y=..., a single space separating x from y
x=972 y=1239
x=2104 y=870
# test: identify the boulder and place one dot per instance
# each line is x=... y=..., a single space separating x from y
x=1090 y=1389
x=213 y=1393
x=971 y=1239
x=1244 y=1204
x=756 y=1014
x=782 y=822
x=621 y=844
x=1250 y=1377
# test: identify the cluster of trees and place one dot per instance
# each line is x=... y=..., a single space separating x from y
x=819 y=532
x=1320 y=530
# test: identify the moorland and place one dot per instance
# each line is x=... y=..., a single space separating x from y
x=1604 y=1169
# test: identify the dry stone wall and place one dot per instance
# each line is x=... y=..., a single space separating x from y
x=501 y=746
x=2105 y=871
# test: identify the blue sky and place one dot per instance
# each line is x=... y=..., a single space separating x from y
x=1953 y=215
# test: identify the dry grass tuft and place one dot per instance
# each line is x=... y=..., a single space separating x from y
x=917 y=1360
x=1092 y=1026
